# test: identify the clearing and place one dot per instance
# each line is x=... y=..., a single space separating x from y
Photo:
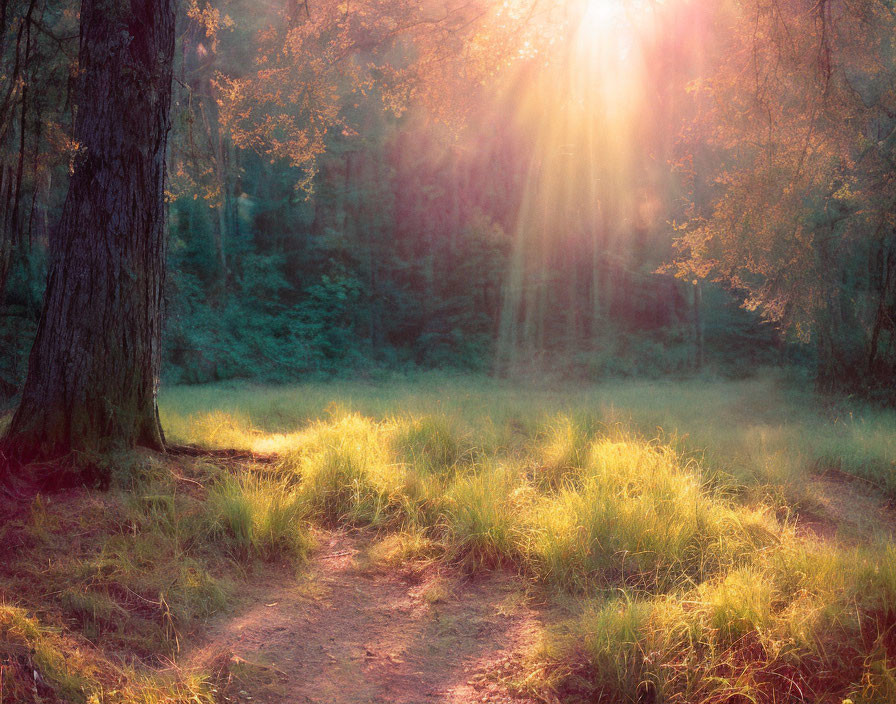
x=450 y=539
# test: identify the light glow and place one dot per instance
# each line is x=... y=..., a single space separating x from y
x=589 y=190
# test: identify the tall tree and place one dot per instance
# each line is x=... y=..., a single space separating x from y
x=94 y=368
x=796 y=210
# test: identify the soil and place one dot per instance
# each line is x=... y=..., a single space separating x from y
x=847 y=509
x=344 y=631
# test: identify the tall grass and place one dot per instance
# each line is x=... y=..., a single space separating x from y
x=484 y=513
x=762 y=633
x=658 y=504
x=345 y=472
x=638 y=515
x=259 y=516
x=759 y=431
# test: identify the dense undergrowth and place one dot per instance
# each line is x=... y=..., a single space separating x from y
x=670 y=517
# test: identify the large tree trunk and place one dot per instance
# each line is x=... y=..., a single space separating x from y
x=94 y=368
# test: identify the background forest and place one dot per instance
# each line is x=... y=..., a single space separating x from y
x=357 y=190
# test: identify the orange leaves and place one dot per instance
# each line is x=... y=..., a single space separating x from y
x=313 y=62
x=210 y=19
x=789 y=121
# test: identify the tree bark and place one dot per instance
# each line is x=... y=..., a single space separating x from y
x=698 y=326
x=6 y=238
x=94 y=367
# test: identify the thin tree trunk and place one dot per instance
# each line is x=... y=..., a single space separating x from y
x=220 y=223
x=698 y=325
x=94 y=367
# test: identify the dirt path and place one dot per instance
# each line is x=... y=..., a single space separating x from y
x=345 y=633
x=847 y=509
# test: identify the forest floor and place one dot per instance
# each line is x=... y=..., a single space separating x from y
x=452 y=540
x=347 y=632
x=846 y=509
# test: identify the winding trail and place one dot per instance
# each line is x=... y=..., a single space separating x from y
x=343 y=632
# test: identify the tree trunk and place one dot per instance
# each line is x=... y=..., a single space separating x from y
x=94 y=367
x=698 y=326
x=220 y=226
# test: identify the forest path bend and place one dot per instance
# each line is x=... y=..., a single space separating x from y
x=344 y=632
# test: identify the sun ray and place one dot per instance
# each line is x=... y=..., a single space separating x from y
x=582 y=200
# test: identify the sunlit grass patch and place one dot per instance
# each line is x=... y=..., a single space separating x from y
x=819 y=617
x=411 y=544
x=561 y=452
x=211 y=429
x=258 y=515
x=738 y=604
x=604 y=652
x=430 y=444
x=758 y=430
x=422 y=498
x=641 y=516
x=484 y=509
x=345 y=472
x=666 y=517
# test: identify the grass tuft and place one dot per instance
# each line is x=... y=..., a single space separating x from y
x=259 y=516
x=483 y=513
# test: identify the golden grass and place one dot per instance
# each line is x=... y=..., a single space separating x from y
x=667 y=513
x=667 y=508
x=100 y=590
x=759 y=431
